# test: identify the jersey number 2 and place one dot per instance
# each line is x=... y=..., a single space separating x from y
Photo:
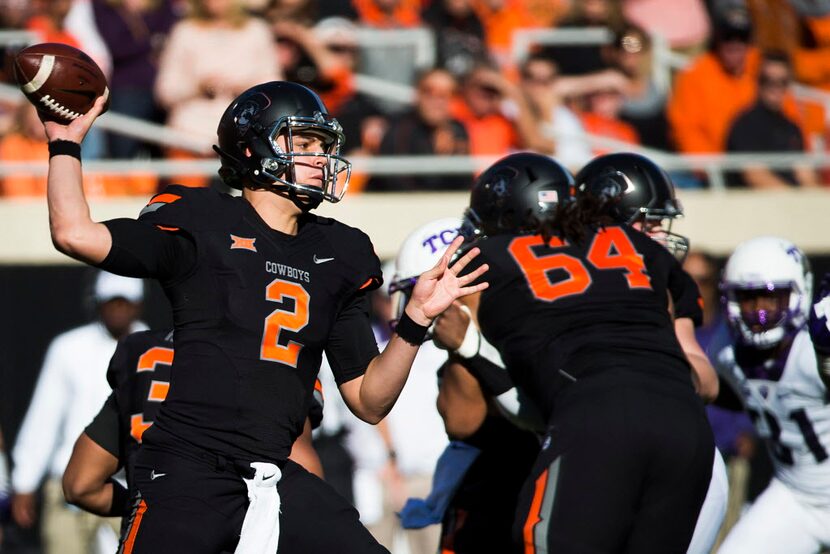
x=611 y=249
x=290 y=320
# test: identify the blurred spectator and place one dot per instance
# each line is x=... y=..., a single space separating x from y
x=212 y=55
x=718 y=85
x=685 y=26
x=766 y=128
x=134 y=32
x=539 y=77
x=487 y=97
x=28 y=143
x=70 y=389
x=80 y=23
x=388 y=14
x=500 y=19
x=322 y=58
x=48 y=22
x=303 y=12
x=459 y=35
x=428 y=128
x=644 y=105
x=715 y=87
x=579 y=60
x=602 y=117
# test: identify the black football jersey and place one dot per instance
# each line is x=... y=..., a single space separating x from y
x=253 y=314
x=685 y=295
x=556 y=311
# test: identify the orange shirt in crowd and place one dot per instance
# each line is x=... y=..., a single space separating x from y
x=16 y=147
x=489 y=135
x=47 y=31
x=706 y=100
x=597 y=124
x=341 y=92
x=812 y=65
x=406 y=14
x=499 y=24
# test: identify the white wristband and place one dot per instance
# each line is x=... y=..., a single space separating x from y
x=472 y=339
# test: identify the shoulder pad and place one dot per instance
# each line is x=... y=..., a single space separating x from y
x=189 y=209
x=364 y=265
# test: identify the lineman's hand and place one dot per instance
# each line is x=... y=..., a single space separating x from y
x=451 y=326
x=23 y=510
x=78 y=128
x=439 y=287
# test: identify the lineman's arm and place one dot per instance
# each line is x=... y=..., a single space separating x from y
x=303 y=452
x=87 y=480
x=704 y=376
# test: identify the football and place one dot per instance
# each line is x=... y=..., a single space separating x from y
x=61 y=81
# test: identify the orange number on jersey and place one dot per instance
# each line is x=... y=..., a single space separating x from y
x=158 y=389
x=281 y=319
x=535 y=269
x=626 y=257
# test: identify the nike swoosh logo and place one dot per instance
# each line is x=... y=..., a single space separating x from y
x=321 y=260
x=154 y=475
x=88 y=94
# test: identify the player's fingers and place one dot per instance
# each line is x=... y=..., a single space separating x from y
x=466 y=291
x=96 y=108
x=462 y=262
x=438 y=270
x=472 y=276
x=454 y=245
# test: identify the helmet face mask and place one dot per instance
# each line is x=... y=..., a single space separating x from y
x=336 y=170
x=642 y=195
x=767 y=291
x=258 y=144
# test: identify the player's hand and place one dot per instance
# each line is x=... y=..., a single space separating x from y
x=23 y=510
x=77 y=130
x=439 y=287
x=450 y=327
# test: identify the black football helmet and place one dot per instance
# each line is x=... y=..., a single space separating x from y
x=514 y=194
x=641 y=193
x=251 y=156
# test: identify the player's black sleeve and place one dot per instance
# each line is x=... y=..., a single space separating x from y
x=493 y=379
x=351 y=343
x=685 y=295
x=140 y=249
x=727 y=398
x=104 y=429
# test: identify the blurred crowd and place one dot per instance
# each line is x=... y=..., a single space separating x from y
x=180 y=62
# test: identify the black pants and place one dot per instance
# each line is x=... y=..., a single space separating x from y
x=625 y=467
x=197 y=505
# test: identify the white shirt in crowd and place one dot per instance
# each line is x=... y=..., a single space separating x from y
x=70 y=390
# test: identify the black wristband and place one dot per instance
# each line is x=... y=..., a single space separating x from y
x=65 y=148
x=410 y=331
